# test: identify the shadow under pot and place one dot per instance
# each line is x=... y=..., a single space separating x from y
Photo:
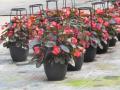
x=78 y=63
x=118 y=36
x=54 y=71
x=104 y=49
x=18 y=54
x=90 y=54
x=112 y=42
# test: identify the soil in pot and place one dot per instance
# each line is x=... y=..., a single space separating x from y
x=78 y=64
x=54 y=71
x=90 y=54
x=112 y=42
x=18 y=54
x=104 y=49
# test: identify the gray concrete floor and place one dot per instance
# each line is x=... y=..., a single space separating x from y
x=102 y=74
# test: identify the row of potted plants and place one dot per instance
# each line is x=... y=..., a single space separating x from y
x=66 y=38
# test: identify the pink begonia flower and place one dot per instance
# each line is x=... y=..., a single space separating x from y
x=56 y=50
x=88 y=33
x=86 y=20
x=74 y=40
x=99 y=26
x=68 y=30
x=54 y=24
x=67 y=12
x=100 y=20
x=99 y=11
x=40 y=32
x=117 y=19
x=14 y=25
x=77 y=12
x=93 y=25
x=106 y=24
x=59 y=26
x=10 y=33
x=105 y=35
x=77 y=53
x=36 y=50
x=45 y=21
x=29 y=23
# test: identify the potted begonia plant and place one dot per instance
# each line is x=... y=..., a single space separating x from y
x=16 y=37
x=57 y=46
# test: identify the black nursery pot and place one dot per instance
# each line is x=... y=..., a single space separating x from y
x=55 y=71
x=78 y=64
x=105 y=48
x=18 y=54
x=90 y=54
x=118 y=36
x=112 y=42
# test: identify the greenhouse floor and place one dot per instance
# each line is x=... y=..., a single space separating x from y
x=102 y=74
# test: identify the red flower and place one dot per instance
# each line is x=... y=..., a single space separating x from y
x=99 y=26
x=77 y=53
x=111 y=9
x=59 y=26
x=68 y=30
x=14 y=25
x=29 y=23
x=74 y=40
x=39 y=31
x=86 y=20
x=36 y=50
x=45 y=21
x=83 y=43
x=100 y=20
x=82 y=49
x=67 y=11
x=77 y=12
x=99 y=11
x=117 y=19
x=106 y=24
x=10 y=33
x=93 y=25
x=56 y=50
x=54 y=24
x=88 y=33
x=62 y=17
x=105 y=35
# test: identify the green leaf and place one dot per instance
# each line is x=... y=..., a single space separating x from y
x=99 y=44
x=62 y=62
x=73 y=45
x=50 y=44
x=72 y=62
x=104 y=41
x=65 y=48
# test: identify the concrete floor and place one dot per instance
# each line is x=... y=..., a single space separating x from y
x=102 y=74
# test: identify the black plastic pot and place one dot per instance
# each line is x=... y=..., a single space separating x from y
x=112 y=42
x=55 y=71
x=78 y=64
x=18 y=54
x=90 y=54
x=118 y=36
x=105 y=48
